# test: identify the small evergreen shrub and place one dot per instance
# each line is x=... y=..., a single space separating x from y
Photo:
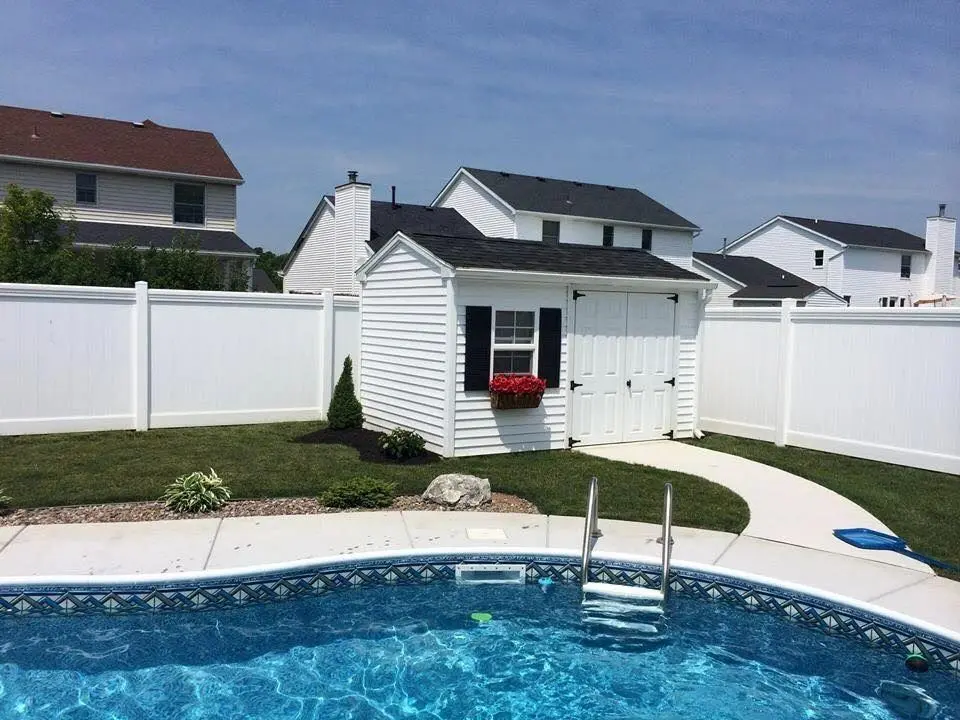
x=197 y=492
x=401 y=444
x=5 y=500
x=360 y=492
x=345 y=411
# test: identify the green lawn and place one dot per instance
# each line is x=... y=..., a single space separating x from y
x=265 y=461
x=921 y=506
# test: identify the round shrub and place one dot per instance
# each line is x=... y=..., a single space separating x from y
x=401 y=444
x=359 y=492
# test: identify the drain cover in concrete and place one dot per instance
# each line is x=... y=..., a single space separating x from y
x=486 y=534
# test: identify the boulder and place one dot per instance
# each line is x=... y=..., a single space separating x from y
x=456 y=490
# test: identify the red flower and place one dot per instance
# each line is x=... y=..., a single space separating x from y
x=517 y=384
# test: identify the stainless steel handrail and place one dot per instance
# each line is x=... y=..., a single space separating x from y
x=666 y=539
x=590 y=531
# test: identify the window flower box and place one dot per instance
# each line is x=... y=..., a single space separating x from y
x=512 y=392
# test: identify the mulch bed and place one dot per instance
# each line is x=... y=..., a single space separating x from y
x=366 y=443
x=136 y=512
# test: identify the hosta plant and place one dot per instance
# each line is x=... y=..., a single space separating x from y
x=197 y=492
x=5 y=500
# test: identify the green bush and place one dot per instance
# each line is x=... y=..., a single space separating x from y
x=360 y=492
x=345 y=411
x=5 y=500
x=196 y=493
x=401 y=444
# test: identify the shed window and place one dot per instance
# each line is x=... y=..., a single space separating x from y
x=86 y=188
x=608 y=235
x=646 y=239
x=188 y=203
x=818 y=258
x=905 y=266
x=551 y=232
x=513 y=341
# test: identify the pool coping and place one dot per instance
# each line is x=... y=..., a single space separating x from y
x=218 y=589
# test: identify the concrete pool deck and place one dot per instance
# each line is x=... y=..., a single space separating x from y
x=173 y=546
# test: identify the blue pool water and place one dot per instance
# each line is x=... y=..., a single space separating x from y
x=414 y=652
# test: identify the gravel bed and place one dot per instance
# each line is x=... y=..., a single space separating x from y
x=136 y=512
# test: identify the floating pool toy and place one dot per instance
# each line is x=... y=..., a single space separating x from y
x=917 y=663
x=481 y=617
x=545 y=583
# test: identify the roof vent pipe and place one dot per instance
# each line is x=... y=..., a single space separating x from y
x=36 y=133
x=943 y=210
x=351 y=176
x=393 y=196
x=724 y=251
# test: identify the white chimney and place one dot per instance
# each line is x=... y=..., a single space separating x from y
x=940 y=242
x=352 y=231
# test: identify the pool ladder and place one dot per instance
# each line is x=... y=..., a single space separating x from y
x=591 y=533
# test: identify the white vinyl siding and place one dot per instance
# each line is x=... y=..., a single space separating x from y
x=688 y=326
x=479 y=208
x=721 y=294
x=121 y=198
x=403 y=340
x=821 y=298
x=479 y=430
x=312 y=270
x=872 y=274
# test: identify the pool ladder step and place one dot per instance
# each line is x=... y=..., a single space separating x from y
x=639 y=595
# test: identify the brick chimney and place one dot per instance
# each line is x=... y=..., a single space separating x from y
x=352 y=231
x=940 y=242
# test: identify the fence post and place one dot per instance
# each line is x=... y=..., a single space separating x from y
x=784 y=371
x=141 y=368
x=327 y=370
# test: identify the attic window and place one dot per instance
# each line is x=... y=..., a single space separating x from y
x=188 y=203
x=608 y=235
x=646 y=239
x=551 y=232
x=86 y=188
x=818 y=258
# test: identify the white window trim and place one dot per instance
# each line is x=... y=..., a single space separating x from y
x=909 y=266
x=823 y=259
x=533 y=345
x=96 y=190
x=173 y=204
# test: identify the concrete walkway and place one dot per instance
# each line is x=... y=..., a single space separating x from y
x=784 y=508
x=173 y=546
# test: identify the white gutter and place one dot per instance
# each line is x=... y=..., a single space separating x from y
x=118 y=168
x=578 y=279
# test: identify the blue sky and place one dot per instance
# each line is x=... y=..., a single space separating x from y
x=727 y=112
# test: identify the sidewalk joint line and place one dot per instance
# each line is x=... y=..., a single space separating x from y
x=406 y=530
x=724 y=551
x=14 y=537
x=896 y=590
x=216 y=534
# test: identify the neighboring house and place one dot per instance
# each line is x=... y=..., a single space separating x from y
x=262 y=283
x=119 y=181
x=751 y=282
x=331 y=247
x=864 y=264
x=528 y=207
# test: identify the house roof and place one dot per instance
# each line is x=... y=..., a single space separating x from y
x=41 y=135
x=534 y=256
x=262 y=281
x=760 y=279
x=568 y=197
x=213 y=241
x=863 y=235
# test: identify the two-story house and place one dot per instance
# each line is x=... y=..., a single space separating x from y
x=866 y=265
x=120 y=182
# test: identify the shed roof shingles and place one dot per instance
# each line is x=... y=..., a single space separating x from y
x=98 y=141
x=862 y=235
x=579 y=199
x=534 y=256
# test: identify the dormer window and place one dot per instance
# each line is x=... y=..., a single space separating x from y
x=188 y=203
x=551 y=232
x=86 y=188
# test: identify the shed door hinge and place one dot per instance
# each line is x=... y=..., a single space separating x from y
x=668 y=434
x=675 y=298
x=577 y=295
x=671 y=381
x=574 y=385
x=571 y=442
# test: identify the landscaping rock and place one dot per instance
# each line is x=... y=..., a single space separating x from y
x=456 y=490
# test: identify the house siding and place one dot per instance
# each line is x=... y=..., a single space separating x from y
x=686 y=399
x=479 y=208
x=821 y=298
x=403 y=331
x=479 y=430
x=872 y=274
x=721 y=294
x=121 y=198
x=313 y=269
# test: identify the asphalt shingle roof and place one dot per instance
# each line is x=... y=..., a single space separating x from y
x=762 y=280
x=386 y=219
x=569 y=197
x=94 y=233
x=863 y=235
x=99 y=141
x=534 y=256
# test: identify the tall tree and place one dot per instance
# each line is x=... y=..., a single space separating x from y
x=272 y=264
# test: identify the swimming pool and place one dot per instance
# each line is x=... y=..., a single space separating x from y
x=410 y=648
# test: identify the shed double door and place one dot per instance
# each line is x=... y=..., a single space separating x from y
x=623 y=367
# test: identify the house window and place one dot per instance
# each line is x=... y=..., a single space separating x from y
x=905 y=266
x=608 y=235
x=846 y=299
x=646 y=239
x=188 y=203
x=551 y=232
x=893 y=302
x=883 y=302
x=903 y=302
x=87 y=188
x=818 y=258
x=513 y=341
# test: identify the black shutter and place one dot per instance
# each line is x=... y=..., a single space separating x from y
x=549 y=352
x=476 y=371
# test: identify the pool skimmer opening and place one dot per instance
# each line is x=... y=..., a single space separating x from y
x=481 y=573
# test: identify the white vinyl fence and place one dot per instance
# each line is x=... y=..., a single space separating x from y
x=875 y=383
x=87 y=358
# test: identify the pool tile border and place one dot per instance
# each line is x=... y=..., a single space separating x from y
x=222 y=592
